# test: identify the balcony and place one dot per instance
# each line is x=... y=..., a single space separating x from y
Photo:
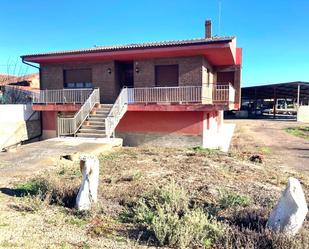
x=72 y=99
x=61 y=96
x=218 y=94
x=60 y=99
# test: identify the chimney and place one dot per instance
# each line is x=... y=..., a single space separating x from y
x=208 y=29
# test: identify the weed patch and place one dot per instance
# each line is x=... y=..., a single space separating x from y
x=231 y=199
x=299 y=131
x=33 y=187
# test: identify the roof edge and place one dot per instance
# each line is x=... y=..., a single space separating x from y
x=135 y=46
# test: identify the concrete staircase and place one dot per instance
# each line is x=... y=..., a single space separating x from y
x=94 y=126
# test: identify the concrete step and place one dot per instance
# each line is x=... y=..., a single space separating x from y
x=95 y=118
x=102 y=111
x=98 y=115
x=104 y=106
x=93 y=131
x=90 y=135
x=94 y=127
x=95 y=122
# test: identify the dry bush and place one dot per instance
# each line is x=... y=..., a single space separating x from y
x=239 y=237
x=246 y=229
x=165 y=212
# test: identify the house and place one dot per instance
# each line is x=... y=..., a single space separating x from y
x=163 y=93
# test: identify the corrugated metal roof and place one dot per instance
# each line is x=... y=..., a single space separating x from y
x=137 y=46
x=281 y=90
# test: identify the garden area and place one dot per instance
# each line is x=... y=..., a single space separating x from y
x=149 y=198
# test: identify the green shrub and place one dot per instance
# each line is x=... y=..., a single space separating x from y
x=166 y=213
x=230 y=199
x=33 y=187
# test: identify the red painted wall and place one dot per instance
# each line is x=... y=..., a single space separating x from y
x=190 y=123
x=49 y=120
x=53 y=107
x=238 y=56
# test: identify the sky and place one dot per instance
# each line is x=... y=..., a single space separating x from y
x=274 y=34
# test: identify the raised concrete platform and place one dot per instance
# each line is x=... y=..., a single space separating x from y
x=28 y=159
x=160 y=139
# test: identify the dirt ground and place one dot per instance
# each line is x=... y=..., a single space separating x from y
x=269 y=137
x=126 y=174
x=31 y=158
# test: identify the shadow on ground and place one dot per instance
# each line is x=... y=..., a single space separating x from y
x=13 y=192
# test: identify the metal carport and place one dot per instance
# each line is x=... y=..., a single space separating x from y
x=298 y=91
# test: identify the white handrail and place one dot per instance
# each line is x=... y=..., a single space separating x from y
x=116 y=113
x=69 y=126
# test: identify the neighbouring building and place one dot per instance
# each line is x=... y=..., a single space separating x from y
x=18 y=89
x=164 y=93
x=30 y=81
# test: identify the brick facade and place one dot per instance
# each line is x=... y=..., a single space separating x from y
x=52 y=77
x=105 y=75
x=190 y=70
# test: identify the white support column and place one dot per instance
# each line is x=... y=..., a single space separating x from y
x=210 y=131
x=207 y=86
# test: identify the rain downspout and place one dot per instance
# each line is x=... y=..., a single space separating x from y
x=31 y=65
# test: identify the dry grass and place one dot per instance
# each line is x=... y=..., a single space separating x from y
x=126 y=175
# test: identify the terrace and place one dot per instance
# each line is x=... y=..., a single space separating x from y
x=222 y=93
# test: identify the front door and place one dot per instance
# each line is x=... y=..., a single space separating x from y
x=126 y=74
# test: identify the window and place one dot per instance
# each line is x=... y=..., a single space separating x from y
x=166 y=75
x=78 y=78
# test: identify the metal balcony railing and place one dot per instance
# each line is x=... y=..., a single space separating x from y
x=212 y=93
x=178 y=94
x=224 y=93
x=61 y=96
